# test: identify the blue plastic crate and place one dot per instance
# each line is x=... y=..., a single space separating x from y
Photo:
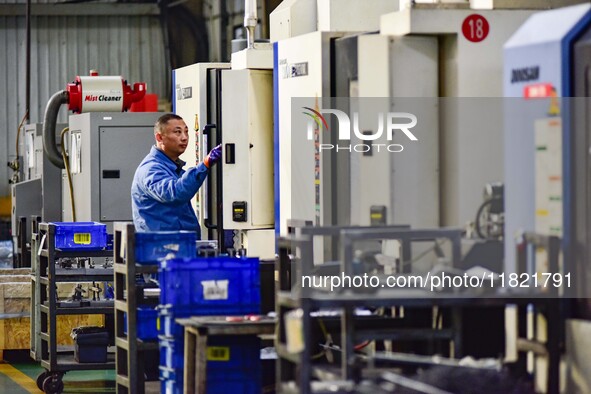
x=171 y=381
x=172 y=352
x=224 y=353
x=235 y=383
x=232 y=362
x=110 y=240
x=166 y=321
x=80 y=235
x=153 y=247
x=238 y=354
x=147 y=323
x=211 y=286
x=231 y=384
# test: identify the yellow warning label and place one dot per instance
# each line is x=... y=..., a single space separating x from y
x=82 y=238
x=542 y=212
x=218 y=353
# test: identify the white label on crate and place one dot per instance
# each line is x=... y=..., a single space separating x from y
x=215 y=289
x=173 y=247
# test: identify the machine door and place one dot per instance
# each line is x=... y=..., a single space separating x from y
x=121 y=151
x=581 y=171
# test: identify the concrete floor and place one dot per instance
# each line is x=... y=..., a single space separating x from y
x=20 y=378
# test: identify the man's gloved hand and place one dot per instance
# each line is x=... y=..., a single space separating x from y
x=213 y=157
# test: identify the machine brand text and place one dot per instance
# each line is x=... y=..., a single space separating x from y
x=294 y=70
x=102 y=97
x=184 y=93
x=525 y=74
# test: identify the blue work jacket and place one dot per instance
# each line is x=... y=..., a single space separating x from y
x=161 y=194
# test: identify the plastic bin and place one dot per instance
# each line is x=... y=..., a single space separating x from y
x=110 y=240
x=80 y=235
x=147 y=323
x=91 y=347
x=238 y=354
x=233 y=365
x=211 y=286
x=153 y=247
x=170 y=384
x=235 y=383
x=166 y=321
x=172 y=353
x=224 y=353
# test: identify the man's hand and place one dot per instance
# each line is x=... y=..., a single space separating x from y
x=213 y=157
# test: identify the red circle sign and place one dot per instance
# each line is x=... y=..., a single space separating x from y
x=475 y=28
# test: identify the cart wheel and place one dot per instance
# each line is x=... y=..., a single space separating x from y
x=40 y=379
x=53 y=384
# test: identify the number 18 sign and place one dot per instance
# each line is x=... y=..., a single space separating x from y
x=475 y=28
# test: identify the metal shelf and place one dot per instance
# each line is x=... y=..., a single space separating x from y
x=416 y=298
x=85 y=310
x=66 y=362
x=139 y=269
x=58 y=254
x=296 y=258
x=141 y=345
x=44 y=307
x=67 y=272
x=84 y=275
x=402 y=334
x=130 y=377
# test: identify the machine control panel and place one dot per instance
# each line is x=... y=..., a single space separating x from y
x=377 y=215
x=239 y=211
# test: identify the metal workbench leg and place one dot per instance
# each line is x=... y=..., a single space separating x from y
x=201 y=363
x=347 y=345
x=457 y=333
x=553 y=345
x=189 y=373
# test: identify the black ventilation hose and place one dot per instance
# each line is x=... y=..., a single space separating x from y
x=49 y=121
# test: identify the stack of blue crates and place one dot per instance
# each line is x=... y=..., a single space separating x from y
x=207 y=287
x=152 y=248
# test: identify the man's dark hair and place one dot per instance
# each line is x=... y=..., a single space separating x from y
x=163 y=121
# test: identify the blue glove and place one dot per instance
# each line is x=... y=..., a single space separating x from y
x=214 y=156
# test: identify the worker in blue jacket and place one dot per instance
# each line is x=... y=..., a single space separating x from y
x=161 y=191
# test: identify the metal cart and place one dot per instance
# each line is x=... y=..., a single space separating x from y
x=58 y=361
x=130 y=349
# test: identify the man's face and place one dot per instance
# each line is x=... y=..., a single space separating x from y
x=173 y=141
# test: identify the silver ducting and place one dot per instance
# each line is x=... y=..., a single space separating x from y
x=49 y=121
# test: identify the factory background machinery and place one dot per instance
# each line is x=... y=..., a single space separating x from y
x=98 y=148
x=472 y=96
